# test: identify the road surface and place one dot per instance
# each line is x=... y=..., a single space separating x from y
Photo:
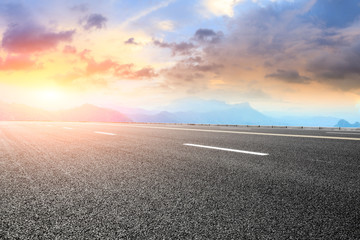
x=132 y=181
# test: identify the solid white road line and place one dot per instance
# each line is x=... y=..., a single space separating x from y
x=226 y=149
x=106 y=133
x=245 y=133
x=67 y=128
x=344 y=133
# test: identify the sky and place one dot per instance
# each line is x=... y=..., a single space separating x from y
x=299 y=57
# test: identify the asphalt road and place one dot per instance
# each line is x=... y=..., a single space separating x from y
x=130 y=181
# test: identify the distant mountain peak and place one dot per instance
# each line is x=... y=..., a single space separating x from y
x=193 y=104
x=344 y=123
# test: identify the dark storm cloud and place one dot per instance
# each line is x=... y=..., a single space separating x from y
x=208 y=35
x=95 y=20
x=131 y=41
x=182 y=48
x=290 y=76
x=30 y=38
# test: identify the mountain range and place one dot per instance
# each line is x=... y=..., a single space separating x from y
x=190 y=110
x=206 y=112
x=86 y=112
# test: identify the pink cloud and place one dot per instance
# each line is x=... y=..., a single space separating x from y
x=20 y=62
x=69 y=49
x=33 y=38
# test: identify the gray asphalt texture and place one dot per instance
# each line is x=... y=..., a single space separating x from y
x=143 y=183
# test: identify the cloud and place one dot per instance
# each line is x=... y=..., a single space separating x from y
x=274 y=42
x=275 y=38
x=182 y=48
x=80 y=7
x=131 y=41
x=290 y=76
x=147 y=12
x=33 y=38
x=166 y=25
x=112 y=68
x=18 y=62
x=146 y=72
x=96 y=21
x=214 y=67
x=191 y=74
x=221 y=7
x=105 y=66
x=69 y=49
x=103 y=74
x=12 y=11
x=336 y=13
x=340 y=68
x=208 y=36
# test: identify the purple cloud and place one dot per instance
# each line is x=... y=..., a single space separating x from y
x=131 y=41
x=182 y=48
x=33 y=38
x=290 y=76
x=80 y=8
x=96 y=21
x=208 y=36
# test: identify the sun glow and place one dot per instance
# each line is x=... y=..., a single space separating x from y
x=51 y=95
x=50 y=99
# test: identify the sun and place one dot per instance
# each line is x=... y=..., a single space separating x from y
x=51 y=98
x=51 y=95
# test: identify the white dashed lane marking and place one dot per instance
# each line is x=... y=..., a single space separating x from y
x=226 y=149
x=106 y=133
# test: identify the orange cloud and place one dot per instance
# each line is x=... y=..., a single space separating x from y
x=19 y=62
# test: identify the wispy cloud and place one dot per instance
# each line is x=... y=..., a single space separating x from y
x=146 y=12
x=80 y=7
